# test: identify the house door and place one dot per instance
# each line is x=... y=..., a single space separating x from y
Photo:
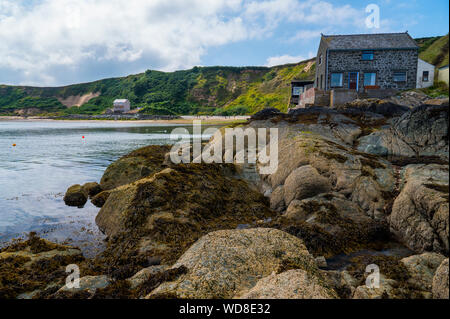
x=353 y=78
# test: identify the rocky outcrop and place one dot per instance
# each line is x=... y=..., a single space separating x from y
x=420 y=132
x=420 y=214
x=76 y=196
x=92 y=188
x=88 y=285
x=134 y=166
x=227 y=263
x=162 y=215
x=440 y=281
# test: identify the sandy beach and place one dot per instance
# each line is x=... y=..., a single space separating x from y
x=187 y=119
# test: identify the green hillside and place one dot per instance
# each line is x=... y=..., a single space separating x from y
x=201 y=90
x=434 y=50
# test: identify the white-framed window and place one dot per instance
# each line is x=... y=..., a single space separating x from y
x=336 y=80
x=370 y=79
x=400 y=76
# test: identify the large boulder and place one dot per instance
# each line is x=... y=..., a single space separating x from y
x=440 y=281
x=227 y=263
x=76 y=196
x=134 y=166
x=420 y=214
x=291 y=284
x=304 y=182
x=163 y=214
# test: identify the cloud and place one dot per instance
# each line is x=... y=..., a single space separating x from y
x=286 y=59
x=54 y=42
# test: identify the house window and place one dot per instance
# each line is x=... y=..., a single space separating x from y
x=336 y=80
x=297 y=90
x=370 y=79
x=367 y=55
x=425 y=76
x=320 y=59
x=400 y=76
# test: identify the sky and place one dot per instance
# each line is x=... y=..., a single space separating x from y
x=60 y=42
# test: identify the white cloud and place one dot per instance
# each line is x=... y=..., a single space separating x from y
x=286 y=59
x=50 y=42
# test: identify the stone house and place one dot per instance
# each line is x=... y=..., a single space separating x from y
x=367 y=61
x=121 y=106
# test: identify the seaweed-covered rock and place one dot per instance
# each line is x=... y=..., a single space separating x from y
x=162 y=215
x=88 y=285
x=291 y=284
x=265 y=114
x=422 y=269
x=420 y=214
x=30 y=267
x=226 y=263
x=134 y=166
x=440 y=281
x=92 y=188
x=100 y=199
x=76 y=196
x=330 y=224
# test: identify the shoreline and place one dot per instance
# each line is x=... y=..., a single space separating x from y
x=188 y=119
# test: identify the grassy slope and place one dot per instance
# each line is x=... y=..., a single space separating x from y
x=434 y=50
x=201 y=90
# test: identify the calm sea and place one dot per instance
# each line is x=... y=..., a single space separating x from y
x=49 y=156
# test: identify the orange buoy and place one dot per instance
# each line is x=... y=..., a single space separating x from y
x=14 y=145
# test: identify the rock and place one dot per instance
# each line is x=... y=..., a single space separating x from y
x=27 y=268
x=342 y=282
x=410 y=99
x=420 y=132
x=384 y=107
x=100 y=199
x=440 y=281
x=76 y=196
x=420 y=214
x=88 y=284
x=321 y=262
x=330 y=166
x=92 y=189
x=304 y=182
x=134 y=166
x=385 y=290
x=330 y=224
x=292 y=284
x=422 y=269
x=265 y=114
x=144 y=274
x=226 y=263
x=277 y=199
x=163 y=214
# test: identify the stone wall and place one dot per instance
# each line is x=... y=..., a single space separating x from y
x=384 y=64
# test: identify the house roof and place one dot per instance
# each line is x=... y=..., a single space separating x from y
x=370 y=41
x=120 y=101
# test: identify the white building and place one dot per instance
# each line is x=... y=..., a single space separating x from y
x=425 y=74
x=121 y=105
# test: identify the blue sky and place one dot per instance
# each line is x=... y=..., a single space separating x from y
x=59 y=42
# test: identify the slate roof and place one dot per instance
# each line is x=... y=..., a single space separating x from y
x=370 y=41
